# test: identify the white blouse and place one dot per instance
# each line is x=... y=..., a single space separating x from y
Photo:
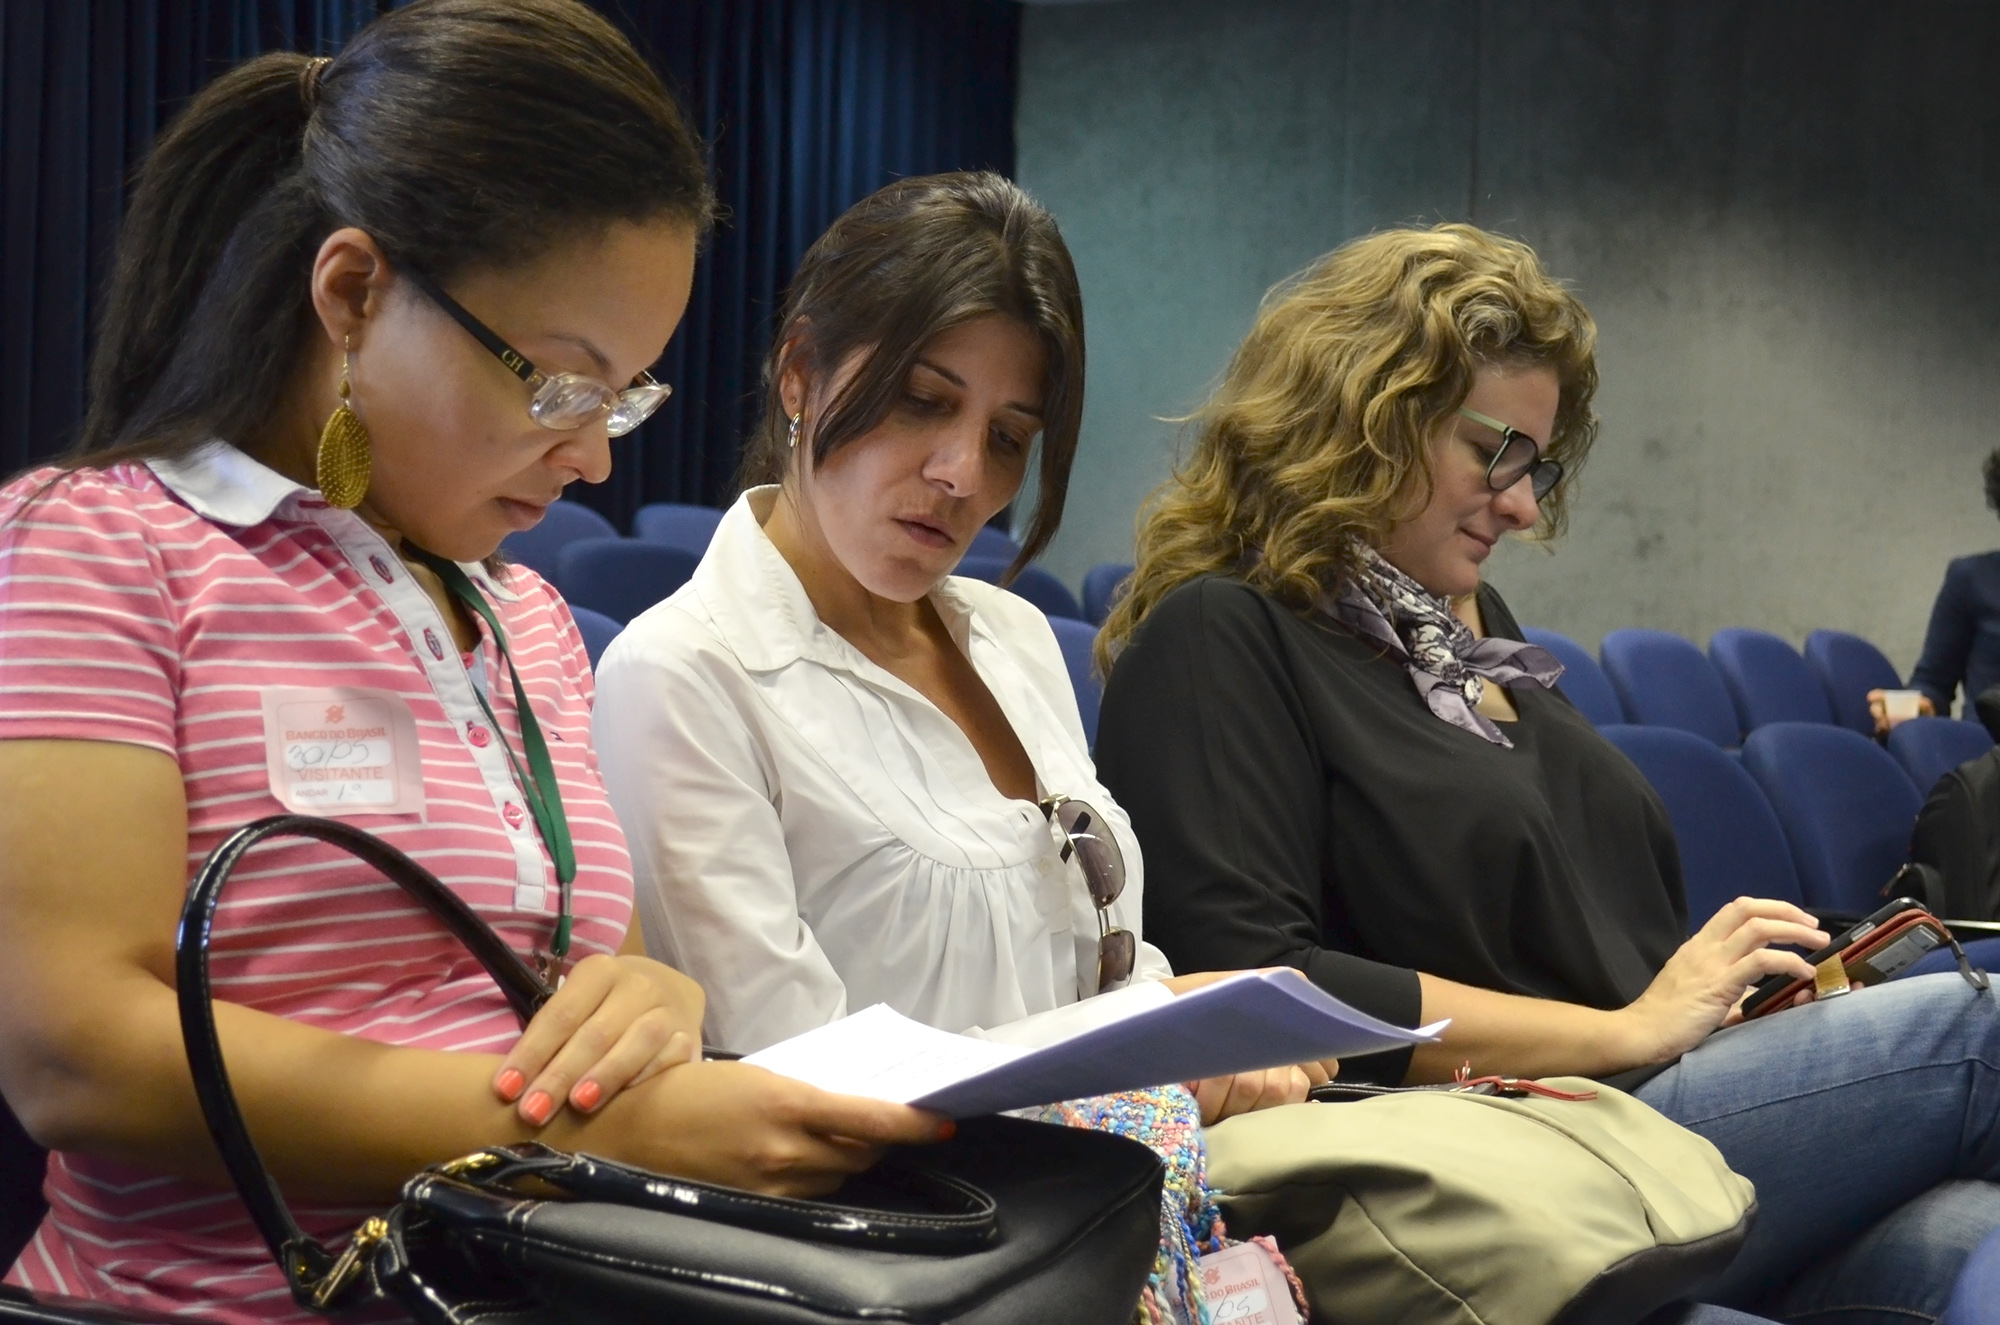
x=812 y=836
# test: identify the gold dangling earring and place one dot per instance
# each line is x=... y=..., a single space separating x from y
x=344 y=462
x=792 y=432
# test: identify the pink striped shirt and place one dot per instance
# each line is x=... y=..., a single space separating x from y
x=155 y=605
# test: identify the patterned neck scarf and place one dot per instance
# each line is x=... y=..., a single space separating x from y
x=1448 y=663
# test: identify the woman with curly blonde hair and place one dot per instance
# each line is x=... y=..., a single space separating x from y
x=1341 y=756
x=1319 y=430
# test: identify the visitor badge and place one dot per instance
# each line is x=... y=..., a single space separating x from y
x=1245 y=1287
x=342 y=750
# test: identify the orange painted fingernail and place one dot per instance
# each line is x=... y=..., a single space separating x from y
x=538 y=1107
x=947 y=1130
x=509 y=1084
x=586 y=1095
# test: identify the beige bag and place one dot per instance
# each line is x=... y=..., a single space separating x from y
x=1435 y=1207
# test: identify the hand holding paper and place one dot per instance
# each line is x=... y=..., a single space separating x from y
x=1247 y=1022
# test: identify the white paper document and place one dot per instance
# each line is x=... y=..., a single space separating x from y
x=1250 y=1021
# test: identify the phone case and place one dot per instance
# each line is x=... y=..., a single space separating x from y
x=1883 y=953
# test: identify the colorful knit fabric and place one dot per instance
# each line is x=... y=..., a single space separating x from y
x=1167 y=1120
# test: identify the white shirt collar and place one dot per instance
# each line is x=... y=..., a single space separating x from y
x=761 y=609
x=226 y=485
x=223 y=483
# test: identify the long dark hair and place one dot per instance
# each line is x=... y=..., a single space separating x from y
x=902 y=266
x=459 y=134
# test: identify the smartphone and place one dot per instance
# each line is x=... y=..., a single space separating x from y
x=1879 y=948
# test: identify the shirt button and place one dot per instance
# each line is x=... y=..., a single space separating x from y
x=478 y=735
x=382 y=569
x=514 y=815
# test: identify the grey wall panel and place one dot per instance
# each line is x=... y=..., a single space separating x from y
x=1783 y=216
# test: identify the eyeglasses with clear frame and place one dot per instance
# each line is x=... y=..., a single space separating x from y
x=567 y=401
x=1517 y=458
x=1096 y=851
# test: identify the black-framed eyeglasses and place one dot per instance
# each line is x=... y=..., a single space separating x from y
x=1517 y=458
x=567 y=401
x=1103 y=865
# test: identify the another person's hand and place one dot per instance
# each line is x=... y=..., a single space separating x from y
x=615 y=1022
x=1878 y=708
x=1701 y=986
x=1246 y=1092
x=743 y=1126
x=1187 y=984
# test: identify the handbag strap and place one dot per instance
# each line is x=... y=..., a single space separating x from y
x=304 y=1259
x=926 y=1211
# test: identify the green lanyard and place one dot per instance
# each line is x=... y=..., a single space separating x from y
x=538 y=780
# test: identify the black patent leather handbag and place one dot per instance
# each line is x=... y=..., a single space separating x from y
x=1009 y=1221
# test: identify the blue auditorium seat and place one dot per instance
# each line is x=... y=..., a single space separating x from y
x=676 y=525
x=1846 y=806
x=621 y=577
x=597 y=629
x=564 y=523
x=1036 y=585
x=1583 y=681
x=1101 y=585
x=1663 y=681
x=1077 y=638
x=1975 y=1300
x=1929 y=748
x=992 y=542
x=1730 y=840
x=1848 y=668
x=1766 y=678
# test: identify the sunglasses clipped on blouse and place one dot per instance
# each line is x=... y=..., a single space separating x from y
x=1084 y=836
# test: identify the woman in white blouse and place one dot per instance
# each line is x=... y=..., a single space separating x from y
x=828 y=754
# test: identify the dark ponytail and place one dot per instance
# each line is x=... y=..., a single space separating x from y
x=459 y=134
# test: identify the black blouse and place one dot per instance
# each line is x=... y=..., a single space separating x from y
x=1299 y=805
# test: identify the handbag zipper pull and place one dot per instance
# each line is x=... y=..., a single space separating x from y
x=348 y=1267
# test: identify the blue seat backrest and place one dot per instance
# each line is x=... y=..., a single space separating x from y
x=1730 y=840
x=597 y=629
x=1848 y=668
x=565 y=522
x=1036 y=585
x=1583 y=681
x=992 y=542
x=1664 y=681
x=1077 y=638
x=1929 y=748
x=621 y=577
x=1101 y=584
x=1847 y=808
x=677 y=525
x=1766 y=678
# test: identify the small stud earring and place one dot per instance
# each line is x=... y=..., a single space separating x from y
x=792 y=432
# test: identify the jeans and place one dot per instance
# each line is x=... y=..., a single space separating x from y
x=1871 y=1127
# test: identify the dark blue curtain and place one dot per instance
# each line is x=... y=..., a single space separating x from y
x=809 y=104
x=84 y=85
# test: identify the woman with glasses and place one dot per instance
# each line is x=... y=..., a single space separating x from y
x=1342 y=757
x=265 y=581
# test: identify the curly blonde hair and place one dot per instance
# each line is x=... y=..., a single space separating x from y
x=1318 y=434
